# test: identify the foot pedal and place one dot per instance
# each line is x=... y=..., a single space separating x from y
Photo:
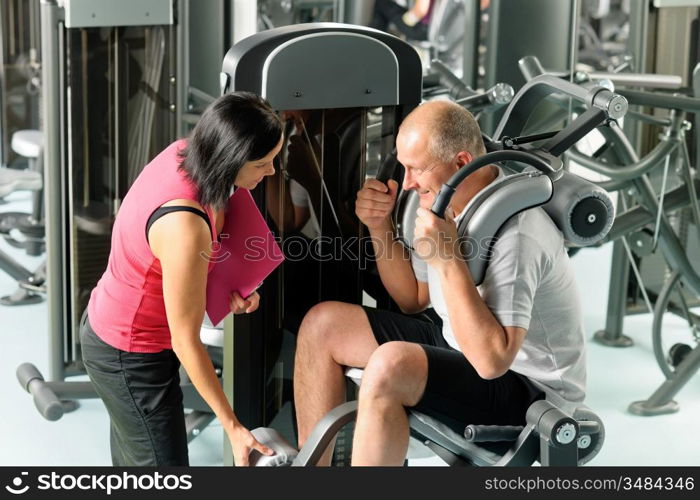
x=21 y=297
x=284 y=455
x=33 y=287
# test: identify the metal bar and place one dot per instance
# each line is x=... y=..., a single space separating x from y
x=639 y=79
x=575 y=131
x=688 y=178
x=637 y=45
x=324 y=432
x=696 y=92
x=661 y=202
x=637 y=275
x=651 y=120
x=85 y=125
x=13 y=268
x=612 y=185
x=182 y=70
x=639 y=216
x=670 y=245
x=73 y=390
x=470 y=60
x=196 y=421
x=683 y=373
x=625 y=172
x=118 y=79
x=534 y=91
x=52 y=187
x=613 y=335
x=657 y=100
x=668 y=241
x=227 y=377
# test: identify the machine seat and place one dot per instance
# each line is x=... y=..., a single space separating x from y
x=18 y=180
x=522 y=451
x=27 y=143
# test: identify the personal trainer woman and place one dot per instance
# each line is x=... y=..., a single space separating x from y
x=145 y=314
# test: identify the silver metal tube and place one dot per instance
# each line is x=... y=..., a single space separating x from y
x=684 y=372
x=182 y=81
x=670 y=245
x=542 y=86
x=73 y=390
x=640 y=79
x=324 y=432
x=625 y=172
x=530 y=67
x=612 y=185
x=659 y=100
x=201 y=95
x=50 y=17
x=688 y=177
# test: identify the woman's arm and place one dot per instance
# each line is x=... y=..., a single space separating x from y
x=181 y=241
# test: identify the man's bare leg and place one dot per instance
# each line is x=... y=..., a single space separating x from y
x=332 y=335
x=395 y=377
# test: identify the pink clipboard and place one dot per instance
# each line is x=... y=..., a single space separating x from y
x=248 y=253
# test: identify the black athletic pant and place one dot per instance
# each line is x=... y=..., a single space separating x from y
x=455 y=393
x=143 y=398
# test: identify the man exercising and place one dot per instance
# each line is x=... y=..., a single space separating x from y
x=523 y=322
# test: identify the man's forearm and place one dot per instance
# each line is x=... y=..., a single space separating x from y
x=480 y=336
x=395 y=270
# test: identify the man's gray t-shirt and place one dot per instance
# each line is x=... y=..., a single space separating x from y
x=530 y=283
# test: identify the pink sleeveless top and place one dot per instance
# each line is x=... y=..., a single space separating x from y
x=126 y=308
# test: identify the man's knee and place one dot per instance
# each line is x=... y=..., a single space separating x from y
x=319 y=324
x=317 y=320
x=387 y=371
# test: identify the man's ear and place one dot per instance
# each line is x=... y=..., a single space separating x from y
x=464 y=157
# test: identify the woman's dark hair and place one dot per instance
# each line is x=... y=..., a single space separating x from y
x=236 y=128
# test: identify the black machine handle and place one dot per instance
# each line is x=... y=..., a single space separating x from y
x=388 y=167
x=456 y=87
x=498 y=95
x=45 y=398
x=442 y=200
x=492 y=433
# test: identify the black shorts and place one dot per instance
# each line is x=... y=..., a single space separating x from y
x=143 y=398
x=455 y=393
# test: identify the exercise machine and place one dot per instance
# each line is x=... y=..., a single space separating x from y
x=330 y=89
x=557 y=432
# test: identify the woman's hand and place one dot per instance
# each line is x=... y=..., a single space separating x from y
x=242 y=443
x=239 y=305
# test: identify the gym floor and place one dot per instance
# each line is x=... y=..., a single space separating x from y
x=616 y=377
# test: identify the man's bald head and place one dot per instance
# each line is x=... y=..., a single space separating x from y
x=448 y=128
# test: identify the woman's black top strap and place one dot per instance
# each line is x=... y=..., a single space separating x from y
x=161 y=211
